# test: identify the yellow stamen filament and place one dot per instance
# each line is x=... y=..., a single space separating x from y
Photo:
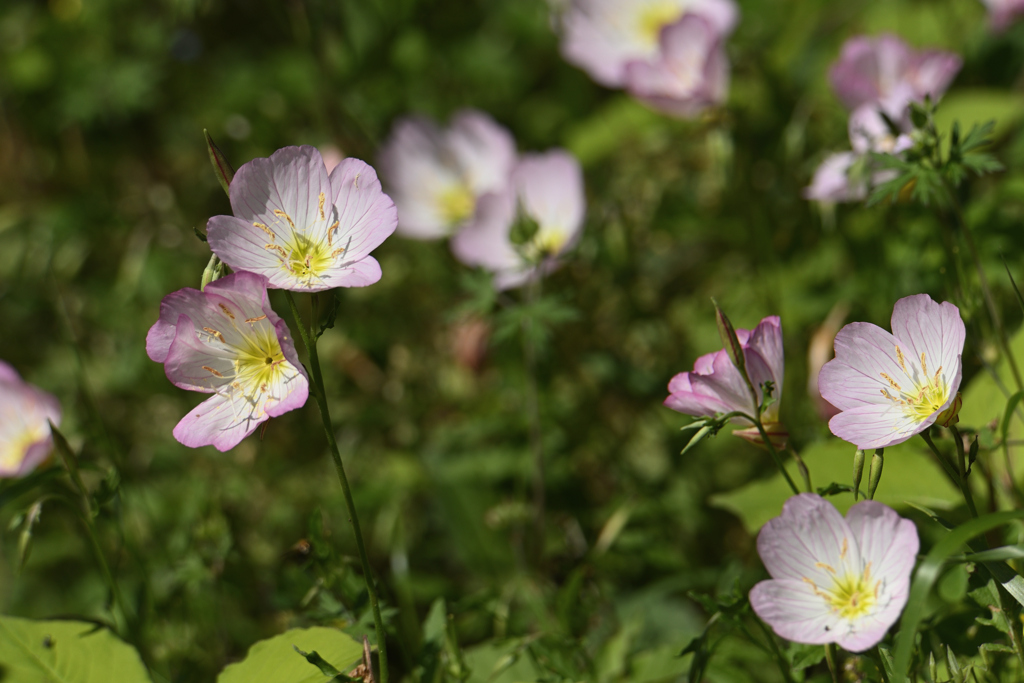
x=215 y=333
x=928 y=394
x=265 y=229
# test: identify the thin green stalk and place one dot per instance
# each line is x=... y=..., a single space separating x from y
x=775 y=454
x=319 y=393
x=950 y=469
x=777 y=655
x=533 y=411
x=962 y=460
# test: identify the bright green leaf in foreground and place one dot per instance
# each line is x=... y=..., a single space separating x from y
x=65 y=652
x=275 y=660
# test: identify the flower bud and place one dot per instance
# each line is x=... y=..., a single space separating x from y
x=776 y=431
x=858 y=472
x=875 y=473
x=730 y=341
x=215 y=270
x=951 y=415
x=221 y=168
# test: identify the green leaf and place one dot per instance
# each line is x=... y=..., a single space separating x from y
x=274 y=661
x=980 y=104
x=65 y=652
x=928 y=573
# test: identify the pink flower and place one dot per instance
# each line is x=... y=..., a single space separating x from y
x=688 y=75
x=832 y=181
x=715 y=386
x=300 y=228
x=834 y=580
x=886 y=72
x=436 y=176
x=1002 y=13
x=890 y=387
x=227 y=341
x=546 y=190
x=25 y=414
x=604 y=36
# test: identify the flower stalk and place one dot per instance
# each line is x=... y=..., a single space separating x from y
x=309 y=338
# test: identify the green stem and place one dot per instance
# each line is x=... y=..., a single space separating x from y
x=775 y=454
x=951 y=472
x=533 y=410
x=776 y=652
x=965 y=486
x=319 y=393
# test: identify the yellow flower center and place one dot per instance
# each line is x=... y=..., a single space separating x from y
x=655 y=17
x=928 y=393
x=456 y=204
x=854 y=596
x=259 y=365
x=15 y=449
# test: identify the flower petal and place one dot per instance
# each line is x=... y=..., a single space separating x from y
x=854 y=377
x=366 y=215
x=486 y=151
x=877 y=426
x=887 y=541
x=933 y=329
x=809 y=541
x=794 y=612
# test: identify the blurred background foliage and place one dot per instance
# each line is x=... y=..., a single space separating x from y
x=104 y=176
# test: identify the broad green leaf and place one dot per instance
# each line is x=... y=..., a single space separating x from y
x=275 y=660
x=911 y=475
x=506 y=663
x=605 y=131
x=978 y=105
x=65 y=652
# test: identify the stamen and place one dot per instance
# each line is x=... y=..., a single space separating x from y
x=215 y=333
x=227 y=311
x=899 y=358
x=320 y=208
x=938 y=372
x=355 y=181
x=924 y=365
x=256 y=320
x=280 y=250
x=822 y=565
x=846 y=543
x=213 y=372
x=330 y=233
x=265 y=229
x=891 y=381
x=337 y=252
x=281 y=214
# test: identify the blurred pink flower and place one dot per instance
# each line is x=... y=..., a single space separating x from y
x=604 y=36
x=690 y=72
x=547 y=190
x=436 y=176
x=890 y=387
x=832 y=181
x=870 y=133
x=886 y=72
x=227 y=341
x=834 y=580
x=300 y=228
x=715 y=386
x=1002 y=13
x=25 y=414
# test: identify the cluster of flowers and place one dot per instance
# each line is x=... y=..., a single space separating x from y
x=511 y=214
x=835 y=580
x=877 y=79
x=669 y=54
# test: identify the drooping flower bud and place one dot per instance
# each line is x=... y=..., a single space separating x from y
x=875 y=473
x=858 y=472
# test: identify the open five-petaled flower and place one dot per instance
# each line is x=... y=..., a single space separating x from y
x=227 y=341
x=25 y=415
x=890 y=387
x=834 y=580
x=300 y=228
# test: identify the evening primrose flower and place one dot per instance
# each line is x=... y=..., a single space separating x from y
x=690 y=73
x=834 y=580
x=546 y=194
x=886 y=72
x=604 y=36
x=1002 y=13
x=227 y=341
x=833 y=181
x=25 y=415
x=300 y=228
x=715 y=386
x=890 y=387
x=436 y=176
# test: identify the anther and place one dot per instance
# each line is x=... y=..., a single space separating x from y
x=330 y=233
x=281 y=214
x=924 y=365
x=256 y=320
x=320 y=208
x=212 y=371
x=280 y=250
x=891 y=381
x=227 y=311
x=899 y=358
x=215 y=333
x=265 y=229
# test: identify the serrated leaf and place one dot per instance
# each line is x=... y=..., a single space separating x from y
x=274 y=661
x=66 y=652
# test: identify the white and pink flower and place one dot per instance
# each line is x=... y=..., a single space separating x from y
x=668 y=53
x=834 y=580
x=25 y=415
x=227 y=341
x=1002 y=13
x=303 y=229
x=891 y=387
x=547 y=190
x=437 y=176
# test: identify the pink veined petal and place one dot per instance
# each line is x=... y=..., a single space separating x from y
x=595 y=38
x=794 y=612
x=831 y=181
x=485 y=241
x=723 y=14
x=933 y=329
x=247 y=248
x=215 y=422
x=854 y=377
x=289 y=181
x=808 y=535
x=886 y=540
x=765 y=359
x=550 y=190
x=485 y=150
x=8 y=373
x=932 y=72
x=190 y=364
x=362 y=273
x=868 y=68
x=366 y=215
x=877 y=426
x=727 y=383
x=698 y=405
